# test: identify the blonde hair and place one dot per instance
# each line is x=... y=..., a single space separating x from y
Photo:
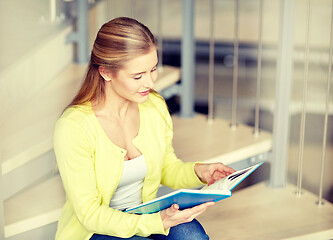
x=117 y=42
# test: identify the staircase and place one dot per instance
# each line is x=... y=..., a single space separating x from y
x=31 y=188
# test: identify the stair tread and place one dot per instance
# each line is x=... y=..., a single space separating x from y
x=26 y=135
x=33 y=208
x=261 y=212
x=167 y=76
x=197 y=140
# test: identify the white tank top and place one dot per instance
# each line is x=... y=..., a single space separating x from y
x=129 y=191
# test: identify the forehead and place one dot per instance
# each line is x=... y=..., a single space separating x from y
x=143 y=62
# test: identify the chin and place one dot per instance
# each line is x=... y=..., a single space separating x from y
x=141 y=99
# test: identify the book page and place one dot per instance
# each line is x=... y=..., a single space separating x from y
x=218 y=185
x=235 y=178
x=232 y=180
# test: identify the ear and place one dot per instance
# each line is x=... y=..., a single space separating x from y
x=105 y=73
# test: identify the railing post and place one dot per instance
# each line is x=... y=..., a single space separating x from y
x=2 y=222
x=282 y=96
x=81 y=35
x=187 y=60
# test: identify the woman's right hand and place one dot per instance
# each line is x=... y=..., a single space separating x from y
x=172 y=216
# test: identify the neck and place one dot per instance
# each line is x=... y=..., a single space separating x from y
x=113 y=106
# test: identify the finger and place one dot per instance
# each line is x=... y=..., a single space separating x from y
x=207 y=177
x=219 y=167
x=228 y=169
x=172 y=210
x=218 y=175
x=208 y=204
x=197 y=214
x=223 y=168
x=201 y=208
x=210 y=183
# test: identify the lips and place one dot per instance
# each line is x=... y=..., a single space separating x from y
x=144 y=93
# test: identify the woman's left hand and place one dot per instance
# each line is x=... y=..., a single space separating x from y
x=211 y=172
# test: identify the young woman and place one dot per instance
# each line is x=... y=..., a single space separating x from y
x=113 y=146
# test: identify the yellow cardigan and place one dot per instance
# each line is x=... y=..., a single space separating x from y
x=91 y=166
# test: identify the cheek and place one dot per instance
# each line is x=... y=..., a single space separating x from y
x=154 y=76
x=125 y=86
x=132 y=87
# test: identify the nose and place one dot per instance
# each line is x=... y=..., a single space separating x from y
x=149 y=83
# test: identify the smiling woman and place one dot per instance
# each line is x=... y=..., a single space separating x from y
x=117 y=42
x=113 y=146
x=134 y=80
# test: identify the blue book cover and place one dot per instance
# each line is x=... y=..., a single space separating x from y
x=187 y=198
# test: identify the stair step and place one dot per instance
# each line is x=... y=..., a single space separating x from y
x=167 y=76
x=322 y=235
x=32 y=172
x=197 y=140
x=33 y=71
x=246 y=92
x=35 y=207
x=26 y=136
x=261 y=212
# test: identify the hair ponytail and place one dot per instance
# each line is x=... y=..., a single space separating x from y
x=117 y=42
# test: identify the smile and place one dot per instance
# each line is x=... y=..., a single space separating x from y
x=144 y=93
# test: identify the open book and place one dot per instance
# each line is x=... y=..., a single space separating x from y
x=187 y=198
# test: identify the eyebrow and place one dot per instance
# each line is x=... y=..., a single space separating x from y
x=134 y=74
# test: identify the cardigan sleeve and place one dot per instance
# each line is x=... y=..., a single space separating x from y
x=175 y=173
x=74 y=153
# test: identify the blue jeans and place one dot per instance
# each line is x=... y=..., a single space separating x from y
x=186 y=231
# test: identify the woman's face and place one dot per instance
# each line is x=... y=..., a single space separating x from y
x=136 y=79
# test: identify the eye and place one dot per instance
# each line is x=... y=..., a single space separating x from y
x=138 y=77
x=154 y=69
